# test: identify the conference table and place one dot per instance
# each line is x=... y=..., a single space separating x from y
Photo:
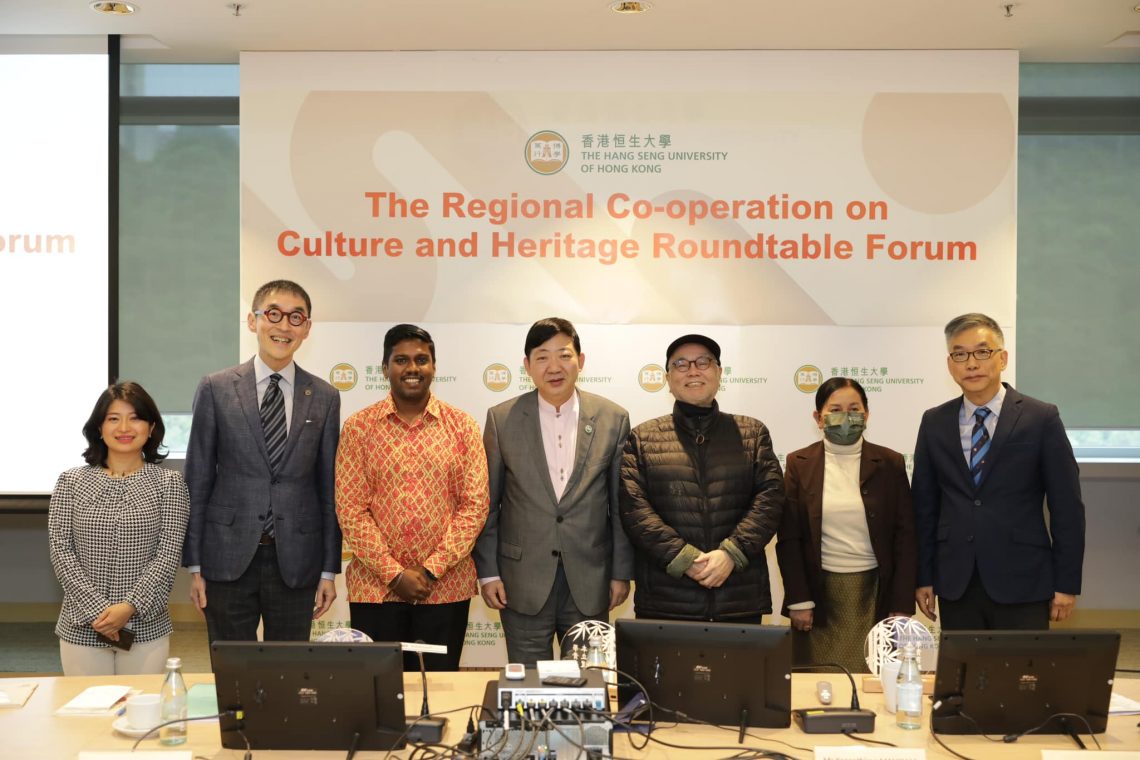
x=35 y=731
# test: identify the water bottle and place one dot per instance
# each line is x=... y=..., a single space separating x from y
x=173 y=702
x=909 y=712
x=596 y=657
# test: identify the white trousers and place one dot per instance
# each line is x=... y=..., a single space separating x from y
x=144 y=657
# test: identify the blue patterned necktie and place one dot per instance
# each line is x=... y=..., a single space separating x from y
x=273 y=425
x=979 y=444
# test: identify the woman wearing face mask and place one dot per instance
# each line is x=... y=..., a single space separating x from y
x=846 y=543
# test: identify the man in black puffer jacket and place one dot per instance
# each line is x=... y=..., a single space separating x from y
x=702 y=494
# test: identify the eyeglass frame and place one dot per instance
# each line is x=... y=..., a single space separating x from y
x=709 y=361
x=974 y=353
x=285 y=315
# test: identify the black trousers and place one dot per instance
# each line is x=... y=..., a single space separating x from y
x=234 y=608
x=430 y=623
x=975 y=610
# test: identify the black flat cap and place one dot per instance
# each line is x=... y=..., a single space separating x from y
x=702 y=340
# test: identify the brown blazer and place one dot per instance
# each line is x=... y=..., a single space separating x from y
x=890 y=522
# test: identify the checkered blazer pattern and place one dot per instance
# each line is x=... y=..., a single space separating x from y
x=115 y=540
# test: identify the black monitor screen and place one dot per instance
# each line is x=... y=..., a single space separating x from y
x=1009 y=682
x=307 y=695
x=723 y=673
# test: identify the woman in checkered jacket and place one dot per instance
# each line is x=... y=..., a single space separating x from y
x=115 y=530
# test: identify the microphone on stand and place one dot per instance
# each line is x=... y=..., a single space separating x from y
x=424 y=729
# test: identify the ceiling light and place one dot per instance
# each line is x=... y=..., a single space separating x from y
x=113 y=9
x=629 y=6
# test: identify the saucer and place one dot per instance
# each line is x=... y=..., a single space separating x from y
x=126 y=729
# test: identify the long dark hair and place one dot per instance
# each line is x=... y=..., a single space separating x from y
x=145 y=408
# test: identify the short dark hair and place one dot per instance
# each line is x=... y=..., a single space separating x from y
x=971 y=321
x=545 y=329
x=837 y=383
x=144 y=406
x=403 y=332
x=287 y=286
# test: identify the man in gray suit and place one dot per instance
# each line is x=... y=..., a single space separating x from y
x=263 y=541
x=553 y=552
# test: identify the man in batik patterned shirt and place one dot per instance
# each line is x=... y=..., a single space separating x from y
x=411 y=498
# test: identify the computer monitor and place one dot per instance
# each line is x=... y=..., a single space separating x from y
x=1008 y=682
x=309 y=695
x=724 y=673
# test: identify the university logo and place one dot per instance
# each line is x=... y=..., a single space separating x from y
x=497 y=377
x=343 y=377
x=547 y=152
x=651 y=378
x=808 y=378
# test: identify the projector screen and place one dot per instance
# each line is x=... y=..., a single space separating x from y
x=53 y=260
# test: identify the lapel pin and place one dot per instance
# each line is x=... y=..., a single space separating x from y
x=589 y=429
x=308 y=391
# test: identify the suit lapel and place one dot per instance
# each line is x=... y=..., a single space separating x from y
x=532 y=438
x=587 y=426
x=302 y=400
x=1007 y=421
x=868 y=465
x=813 y=480
x=950 y=435
x=245 y=385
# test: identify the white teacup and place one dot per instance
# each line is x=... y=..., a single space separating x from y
x=144 y=711
x=889 y=673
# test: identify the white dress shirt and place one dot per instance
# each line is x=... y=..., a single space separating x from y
x=261 y=371
x=559 y=439
x=966 y=420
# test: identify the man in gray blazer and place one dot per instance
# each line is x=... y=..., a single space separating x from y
x=553 y=552
x=263 y=541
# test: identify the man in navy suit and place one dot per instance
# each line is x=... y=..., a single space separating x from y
x=263 y=542
x=986 y=465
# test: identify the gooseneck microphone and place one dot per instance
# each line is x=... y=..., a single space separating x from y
x=424 y=729
x=424 y=711
x=835 y=720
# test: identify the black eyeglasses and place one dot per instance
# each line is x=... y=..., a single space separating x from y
x=980 y=354
x=701 y=362
x=275 y=315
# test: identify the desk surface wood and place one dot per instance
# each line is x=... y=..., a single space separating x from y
x=35 y=731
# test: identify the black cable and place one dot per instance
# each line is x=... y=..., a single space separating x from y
x=851 y=678
x=978 y=728
x=938 y=739
x=856 y=737
x=226 y=714
x=652 y=724
x=403 y=736
x=648 y=702
x=1011 y=738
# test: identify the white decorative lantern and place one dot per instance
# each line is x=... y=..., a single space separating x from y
x=887 y=637
x=589 y=629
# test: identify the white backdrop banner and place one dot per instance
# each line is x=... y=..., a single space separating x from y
x=817 y=213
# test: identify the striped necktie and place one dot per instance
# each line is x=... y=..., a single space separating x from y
x=273 y=425
x=979 y=444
